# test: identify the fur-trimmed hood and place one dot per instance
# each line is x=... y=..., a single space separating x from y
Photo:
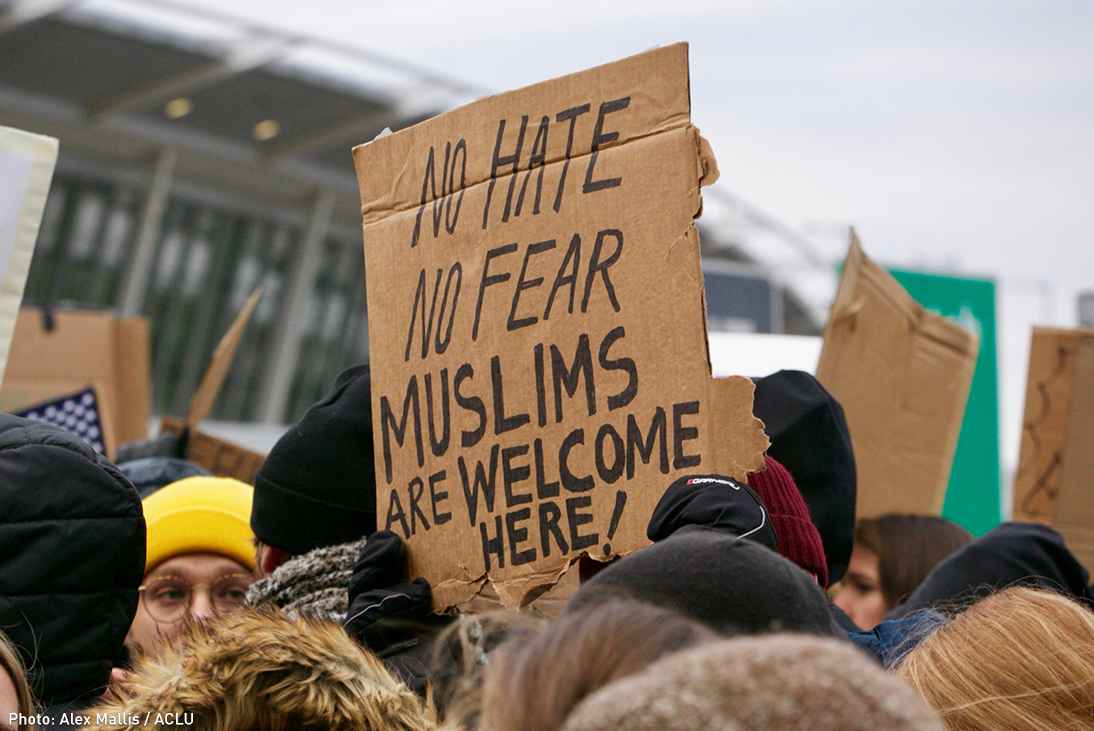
x=259 y=671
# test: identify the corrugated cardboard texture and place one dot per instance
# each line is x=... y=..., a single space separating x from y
x=902 y=375
x=84 y=348
x=220 y=457
x=26 y=171
x=536 y=311
x=1054 y=483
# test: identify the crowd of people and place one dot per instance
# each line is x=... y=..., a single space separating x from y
x=150 y=594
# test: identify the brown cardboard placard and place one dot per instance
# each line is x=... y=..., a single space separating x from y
x=537 y=329
x=219 y=456
x=76 y=348
x=1054 y=482
x=902 y=375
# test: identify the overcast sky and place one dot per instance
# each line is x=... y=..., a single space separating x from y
x=953 y=135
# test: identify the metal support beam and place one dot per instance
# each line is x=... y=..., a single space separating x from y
x=250 y=56
x=24 y=12
x=286 y=346
x=140 y=267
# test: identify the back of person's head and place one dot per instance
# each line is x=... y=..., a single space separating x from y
x=149 y=474
x=73 y=538
x=15 y=696
x=731 y=584
x=317 y=485
x=1009 y=554
x=461 y=655
x=809 y=436
x=532 y=683
x=893 y=555
x=257 y=671
x=1020 y=659
x=908 y=547
x=768 y=509
x=773 y=683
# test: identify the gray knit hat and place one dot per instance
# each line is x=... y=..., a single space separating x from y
x=774 y=683
x=314 y=585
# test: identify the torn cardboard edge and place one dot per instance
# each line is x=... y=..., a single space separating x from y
x=376 y=207
x=860 y=271
x=932 y=340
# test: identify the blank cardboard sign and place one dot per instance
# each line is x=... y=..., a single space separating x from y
x=902 y=375
x=536 y=326
x=1054 y=483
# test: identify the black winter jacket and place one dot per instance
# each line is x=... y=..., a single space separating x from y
x=72 y=548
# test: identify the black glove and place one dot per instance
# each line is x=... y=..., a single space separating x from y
x=712 y=501
x=388 y=614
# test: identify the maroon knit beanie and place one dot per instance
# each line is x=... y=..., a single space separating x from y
x=798 y=538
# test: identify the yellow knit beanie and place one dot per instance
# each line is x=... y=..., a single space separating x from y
x=200 y=515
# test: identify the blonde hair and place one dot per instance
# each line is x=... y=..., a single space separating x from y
x=1019 y=659
x=10 y=662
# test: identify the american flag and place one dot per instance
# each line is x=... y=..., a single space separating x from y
x=77 y=412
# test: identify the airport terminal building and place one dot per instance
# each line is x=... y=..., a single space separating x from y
x=202 y=157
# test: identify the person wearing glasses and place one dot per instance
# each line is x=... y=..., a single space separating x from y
x=200 y=559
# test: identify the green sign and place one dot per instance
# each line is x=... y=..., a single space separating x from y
x=973 y=496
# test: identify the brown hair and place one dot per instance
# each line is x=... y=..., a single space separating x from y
x=461 y=654
x=908 y=547
x=533 y=683
x=10 y=663
x=1019 y=659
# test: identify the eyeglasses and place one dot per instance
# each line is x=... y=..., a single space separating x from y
x=169 y=598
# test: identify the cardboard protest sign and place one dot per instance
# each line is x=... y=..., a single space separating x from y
x=57 y=353
x=1054 y=483
x=902 y=375
x=26 y=170
x=220 y=457
x=536 y=326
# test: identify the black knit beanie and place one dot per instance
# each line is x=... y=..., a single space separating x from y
x=730 y=584
x=317 y=487
x=809 y=436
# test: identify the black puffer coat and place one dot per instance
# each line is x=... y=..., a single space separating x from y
x=72 y=545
